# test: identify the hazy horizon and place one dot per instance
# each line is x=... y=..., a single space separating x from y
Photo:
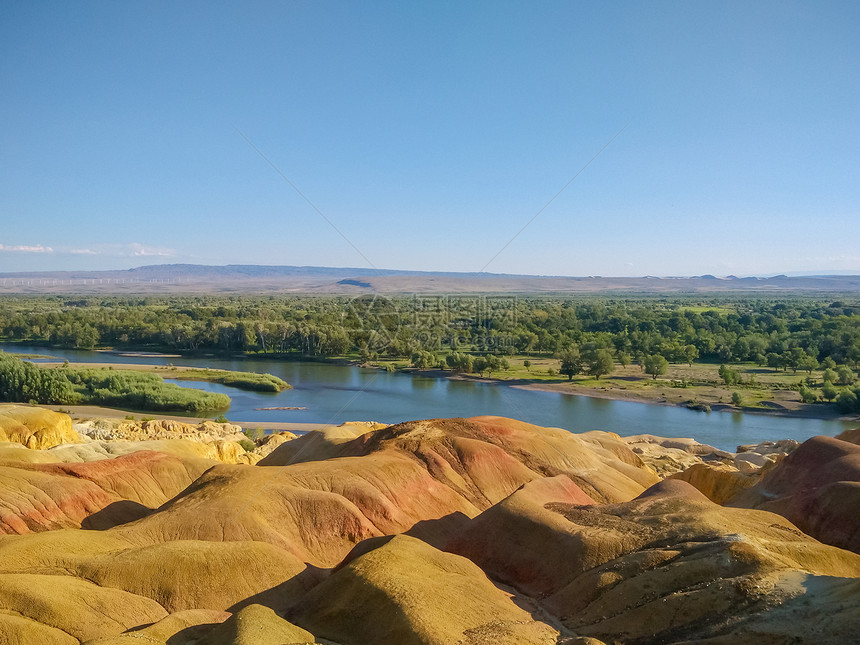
x=368 y=270
x=564 y=139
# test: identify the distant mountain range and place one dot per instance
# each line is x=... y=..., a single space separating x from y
x=250 y=278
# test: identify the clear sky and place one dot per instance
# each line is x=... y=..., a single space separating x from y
x=429 y=133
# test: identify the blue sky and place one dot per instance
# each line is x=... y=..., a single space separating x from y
x=429 y=133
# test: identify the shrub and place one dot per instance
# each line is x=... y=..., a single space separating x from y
x=730 y=376
x=254 y=434
x=252 y=381
x=845 y=375
x=847 y=401
x=695 y=404
x=141 y=391
x=807 y=395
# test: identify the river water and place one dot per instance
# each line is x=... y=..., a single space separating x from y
x=335 y=393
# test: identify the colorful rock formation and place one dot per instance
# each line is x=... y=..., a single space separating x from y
x=436 y=532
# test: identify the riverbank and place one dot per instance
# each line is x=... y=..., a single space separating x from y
x=683 y=386
x=787 y=409
x=333 y=394
x=763 y=391
x=628 y=384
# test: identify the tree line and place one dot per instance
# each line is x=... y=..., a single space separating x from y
x=785 y=333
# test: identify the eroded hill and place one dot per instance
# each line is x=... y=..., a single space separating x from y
x=445 y=531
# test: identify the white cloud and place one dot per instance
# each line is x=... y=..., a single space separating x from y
x=139 y=250
x=23 y=248
x=126 y=250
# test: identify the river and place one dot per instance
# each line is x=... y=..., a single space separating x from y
x=336 y=393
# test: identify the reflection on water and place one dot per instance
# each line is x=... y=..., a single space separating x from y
x=337 y=393
x=421 y=383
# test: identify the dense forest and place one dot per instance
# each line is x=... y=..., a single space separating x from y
x=784 y=333
x=475 y=334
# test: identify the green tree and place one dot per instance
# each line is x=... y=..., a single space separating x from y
x=774 y=360
x=527 y=364
x=829 y=391
x=737 y=400
x=460 y=362
x=571 y=362
x=845 y=375
x=423 y=360
x=496 y=364
x=655 y=365
x=691 y=353
x=600 y=362
x=480 y=364
x=807 y=364
x=795 y=358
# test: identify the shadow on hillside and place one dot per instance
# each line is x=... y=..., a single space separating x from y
x=115 y=514
x=437 y=533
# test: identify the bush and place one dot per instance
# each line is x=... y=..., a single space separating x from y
x=730 y=376
x=847 y=401
x=807 y=395
x=254 y=434
x=737 y=400
x=253 y=381
x=247 y=444
x=695 y=404
x=845 y=375
x=140 y=391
